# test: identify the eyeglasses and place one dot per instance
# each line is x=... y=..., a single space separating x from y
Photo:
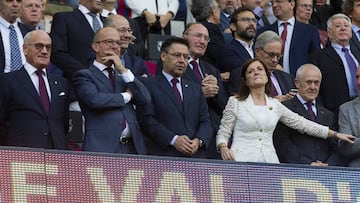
x=110 y=42
x=40 y=46
x=125 y=30
x=178 y=55
x=247 y=20
x=306 y=6
x=272 y=54
x=199 y=36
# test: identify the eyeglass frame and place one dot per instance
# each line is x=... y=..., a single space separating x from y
x=40 y=46
x=124 y=30
x=306 y=6
x=271 y=54
x=247 y=20
x=199 y=36
x=178 y=55
x=108 y=41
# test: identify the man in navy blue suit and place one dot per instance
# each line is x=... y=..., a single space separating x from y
x=107 y=93
x=299 y=40
x=240 y=49
x=134 y=63
x=34 y=102
x=177 y=120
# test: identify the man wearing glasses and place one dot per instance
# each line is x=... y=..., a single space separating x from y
x=134 y=63
x=240 y=49
x=108 y=92
x=299 y=40
x=177 y=120
x=34 y=103
x=268 y=50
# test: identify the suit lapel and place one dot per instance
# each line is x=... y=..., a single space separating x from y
x=355 y=45
x=24 y=79
x=332 y=54
x=299 y=107
x=166 y=87
x=83 y=21
x=102 y=78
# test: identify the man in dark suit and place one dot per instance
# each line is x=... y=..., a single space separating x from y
x=134 y=63
x=9 y=12
x=107 y=91
x=72 y=34
x=338 y=71
x=227 y=8
x=299 y=39
x=206 y=75
x=177 y=120
x=34 y=102
x=240 y=49
x=268 y=49
x=30 y=15
x=295 y=147
x=350 y=9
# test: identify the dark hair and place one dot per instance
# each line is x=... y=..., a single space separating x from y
x=233 y=17
x=244 y=90
x=201 y=9
x=174 y=40
x=348 y=6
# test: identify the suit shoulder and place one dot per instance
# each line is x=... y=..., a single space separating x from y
x=349 y=104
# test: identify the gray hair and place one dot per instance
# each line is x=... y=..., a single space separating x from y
x=265 y=38
x=301 y=69
x=339 y=15
x=201 y=9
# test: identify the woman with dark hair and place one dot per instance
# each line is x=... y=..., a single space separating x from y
x=251 y=116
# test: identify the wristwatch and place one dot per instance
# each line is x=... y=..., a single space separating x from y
x=201 y=143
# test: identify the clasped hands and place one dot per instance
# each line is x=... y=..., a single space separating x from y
x=186 y=146
x=151 y=18
x=210 y=86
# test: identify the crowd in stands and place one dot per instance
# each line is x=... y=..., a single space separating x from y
x=273 y=81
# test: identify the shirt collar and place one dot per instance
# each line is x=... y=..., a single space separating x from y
x=30 y=69
x=303 y=101
x=170 y=77
x=291 y=22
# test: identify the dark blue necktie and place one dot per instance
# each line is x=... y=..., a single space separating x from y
x=16 y=61
x=352 y=67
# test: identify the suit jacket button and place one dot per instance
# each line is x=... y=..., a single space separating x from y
x=260 y=139
x=261 y=130
x=45 y=134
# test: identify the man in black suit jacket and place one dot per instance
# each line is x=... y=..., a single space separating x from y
x=132 y=62
x=338 y=78
x=177 y=121
x=209 y=79
x=34 y=102
x=72 y=34
x=295 y=147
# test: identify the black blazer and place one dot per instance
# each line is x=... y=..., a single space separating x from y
x=234 y=55
x=72 y=37
x=295 y=147
x=334 y=89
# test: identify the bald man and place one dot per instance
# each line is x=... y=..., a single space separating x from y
x=295 y=147
x=34 y=102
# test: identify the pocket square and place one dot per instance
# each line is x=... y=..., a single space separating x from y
x=62 y=94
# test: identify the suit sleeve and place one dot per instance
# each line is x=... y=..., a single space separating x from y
x=60 y=55
x=204 y=132
x=89 y=94
x=315 y=42
x=345 y=121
